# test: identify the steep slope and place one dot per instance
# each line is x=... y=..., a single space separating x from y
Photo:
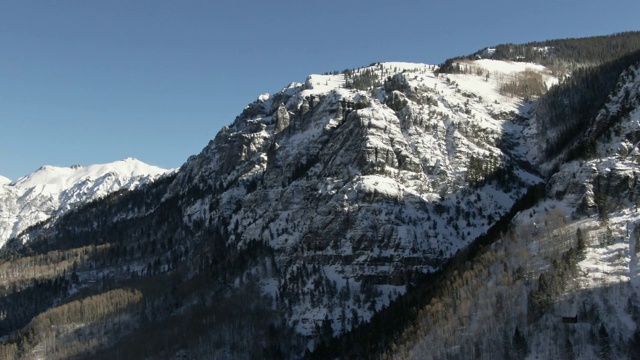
x=607 y=182
x=368 y=186
x=51 y=191
x=562 y=283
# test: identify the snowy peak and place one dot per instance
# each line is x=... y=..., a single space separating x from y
x=52 y=190
x=64 y=177
x=4 y=180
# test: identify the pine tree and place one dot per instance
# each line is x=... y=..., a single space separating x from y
x=582 y=246
x=634 y=346
x=604 y=344
x=600 y=199
x=567 y=352
x=520 y=345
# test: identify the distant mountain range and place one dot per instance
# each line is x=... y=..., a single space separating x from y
x=51 y=191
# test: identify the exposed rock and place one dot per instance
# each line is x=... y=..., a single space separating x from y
x=396 y=100
x=304 y=109
x=356 y=185
x=282 y=118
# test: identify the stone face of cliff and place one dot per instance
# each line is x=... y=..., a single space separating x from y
x=366 y=185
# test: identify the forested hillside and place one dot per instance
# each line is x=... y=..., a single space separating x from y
x=563 y=56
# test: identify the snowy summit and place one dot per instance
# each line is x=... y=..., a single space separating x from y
x=4 y=180
x=52 y=190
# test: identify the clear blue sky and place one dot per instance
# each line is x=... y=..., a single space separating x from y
x=84 y=82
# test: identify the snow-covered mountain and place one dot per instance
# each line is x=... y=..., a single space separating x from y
x=324 y=202
x=564 y=280
x=369 y=176
x=330 y=196
x=51 y=191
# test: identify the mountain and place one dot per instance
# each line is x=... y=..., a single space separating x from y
x=51 y=191
x=564 y=279
x=395 y=209
x=325 y=200
x=354 y=181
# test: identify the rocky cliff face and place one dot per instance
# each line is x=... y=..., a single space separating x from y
x=566 y=270
x=368 y=186
x=609 y=181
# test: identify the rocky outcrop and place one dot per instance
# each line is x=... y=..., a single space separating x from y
x=282 y=119
x=609 y=181
x=396 y=101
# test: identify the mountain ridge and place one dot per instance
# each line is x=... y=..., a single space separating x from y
x=51 y=190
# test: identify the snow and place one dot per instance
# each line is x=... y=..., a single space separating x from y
x=384 y=181
x=488 y=52
x=323 y=83
x=52 y=190
x=382 y=185
x=264 y=97
x=4 y=180
x=55 y=179
x=608 y=278
x=609 y=262
x=508 y=67
x=604 y=281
